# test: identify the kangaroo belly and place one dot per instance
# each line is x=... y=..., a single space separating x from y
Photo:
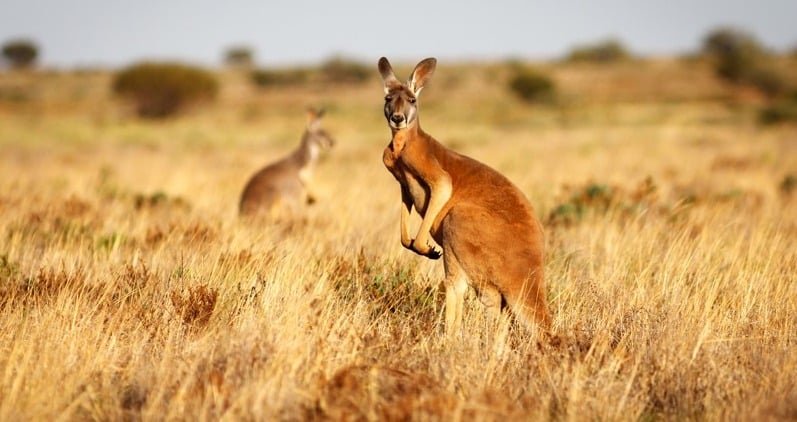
x=271 y=188
x=489 y=245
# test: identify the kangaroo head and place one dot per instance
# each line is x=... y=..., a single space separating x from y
x=315 y=134
x=401 y=100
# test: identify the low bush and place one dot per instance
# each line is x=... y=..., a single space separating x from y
x=162 y=89
x=532 y=86
x=334 y=71
x=788 y=185
x=239 y=56
x=279 y=77
x=599 y=199
x=342 y=70
x=782 y=111
x=601 y=52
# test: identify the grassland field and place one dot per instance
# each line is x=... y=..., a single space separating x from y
x=130 y=289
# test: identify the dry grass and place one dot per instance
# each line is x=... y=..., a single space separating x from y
x=130 y=290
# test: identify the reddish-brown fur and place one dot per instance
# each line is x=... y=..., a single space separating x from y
x=489 y=235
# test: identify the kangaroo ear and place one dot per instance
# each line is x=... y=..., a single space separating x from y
x=314 y=117
x=389 y=78
x=421 y=75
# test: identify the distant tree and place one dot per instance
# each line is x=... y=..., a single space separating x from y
x=730 y=41
x=739 y=58
x=20 y=53
x=610 y=50
x=737 y=52
x=162 y=89
x=239 y=56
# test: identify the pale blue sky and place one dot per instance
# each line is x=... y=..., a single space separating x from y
x=116 y=32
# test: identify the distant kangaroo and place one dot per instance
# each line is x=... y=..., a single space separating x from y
x=489 y=235
x=282 y=187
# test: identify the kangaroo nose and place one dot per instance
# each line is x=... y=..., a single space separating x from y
x=397 y=118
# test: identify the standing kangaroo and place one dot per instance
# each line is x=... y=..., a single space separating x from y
x=489 y=236
x=283 y=186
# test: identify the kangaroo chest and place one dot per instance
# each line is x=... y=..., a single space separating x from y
x=417 y=189
x=305 y=175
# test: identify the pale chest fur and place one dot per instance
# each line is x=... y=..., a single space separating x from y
x=306 y=171
x=306 y=175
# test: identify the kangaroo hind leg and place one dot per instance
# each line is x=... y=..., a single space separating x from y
x=456 y=284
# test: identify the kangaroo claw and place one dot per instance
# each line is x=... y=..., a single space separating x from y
x=431 y=252
x=434 y=253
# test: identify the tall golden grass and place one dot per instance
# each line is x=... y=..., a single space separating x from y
x=129 y=289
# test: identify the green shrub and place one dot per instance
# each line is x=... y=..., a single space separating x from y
x=239 y=56
x=598 y=199
x=163 y=89
x=20 y=53
x=769 y=81
x=728 y=41
x=279 y=77
x=601 y=52
x=335 y=71
x=788 y=185
x=736 y=67
x=739 y=58
x=783 y=111
x=736 y=53
x=532 y=86
x=15 y=94
x=341 y=70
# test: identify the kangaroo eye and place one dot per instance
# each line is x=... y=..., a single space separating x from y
x=411 y=100
x=388 y=98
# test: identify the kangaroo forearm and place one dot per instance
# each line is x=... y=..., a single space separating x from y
x=440 y=194
x=406 y=210
x=406 y=240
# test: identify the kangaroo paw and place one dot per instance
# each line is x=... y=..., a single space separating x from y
x=428 y=251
